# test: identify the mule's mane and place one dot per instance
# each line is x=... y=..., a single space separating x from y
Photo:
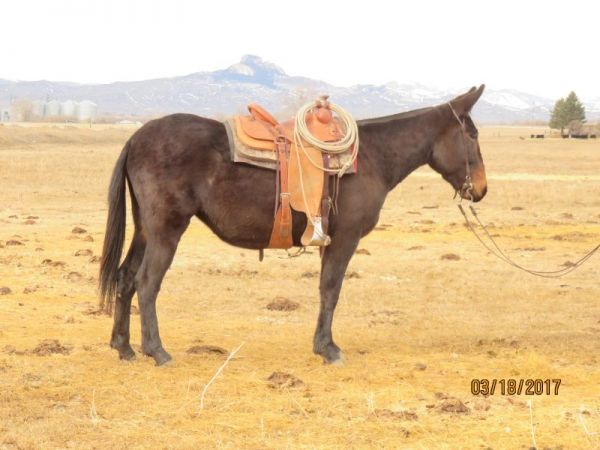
x=395 y=117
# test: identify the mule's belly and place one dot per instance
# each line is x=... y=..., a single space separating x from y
x=240 y=207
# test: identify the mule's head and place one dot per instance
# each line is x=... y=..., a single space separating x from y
x=456 y=154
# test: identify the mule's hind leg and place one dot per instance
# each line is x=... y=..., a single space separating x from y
x=159 y=253
x=125 y=290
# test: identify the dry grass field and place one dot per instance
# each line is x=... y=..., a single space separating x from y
x=416 y=325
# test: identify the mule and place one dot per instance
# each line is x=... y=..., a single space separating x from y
x=179 y=166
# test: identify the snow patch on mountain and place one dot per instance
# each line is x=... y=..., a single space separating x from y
x=252 y=79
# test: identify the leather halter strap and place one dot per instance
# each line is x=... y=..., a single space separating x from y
x=467 y=187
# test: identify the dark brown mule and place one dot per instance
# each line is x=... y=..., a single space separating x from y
x=179 y=166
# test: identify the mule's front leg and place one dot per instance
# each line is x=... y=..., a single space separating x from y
x=333 y=267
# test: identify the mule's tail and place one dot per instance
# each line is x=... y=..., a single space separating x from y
x=114 y=236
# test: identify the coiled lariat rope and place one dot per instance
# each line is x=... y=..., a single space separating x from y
x=302 y=134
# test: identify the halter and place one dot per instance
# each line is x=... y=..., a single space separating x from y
x=494 y=248
x=467 y=187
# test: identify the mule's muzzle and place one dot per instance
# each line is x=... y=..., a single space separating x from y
x=478 y=184
x=471 y=192
x=477 y=196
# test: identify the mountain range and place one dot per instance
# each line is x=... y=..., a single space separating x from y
x=227 y=91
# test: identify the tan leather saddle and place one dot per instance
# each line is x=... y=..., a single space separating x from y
x=259 y=139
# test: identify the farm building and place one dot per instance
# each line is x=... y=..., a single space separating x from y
x=580 y=130
x=5 y=115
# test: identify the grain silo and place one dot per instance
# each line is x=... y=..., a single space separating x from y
x=67 y=108
x=52 y=108
x=37 y=108
x=86 y=110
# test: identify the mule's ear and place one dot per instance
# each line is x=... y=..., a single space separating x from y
x=463 y=103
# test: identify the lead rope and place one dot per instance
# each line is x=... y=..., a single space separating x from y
x=498 y=253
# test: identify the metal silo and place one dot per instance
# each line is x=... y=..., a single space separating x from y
x=86 y=110
x=67 y=108
x=37 y=108
x=52 y=108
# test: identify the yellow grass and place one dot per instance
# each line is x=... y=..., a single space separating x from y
x=463 y=319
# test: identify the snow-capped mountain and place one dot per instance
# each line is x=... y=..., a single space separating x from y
x=228 y=91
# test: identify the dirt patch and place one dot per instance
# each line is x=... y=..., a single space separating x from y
x=49 y=347
x=450 y=257
x=283 y=304
x=74 y=276
x=49 y=262
x=78 y=230
x=31 y=289
x=94 y=259
x=310 y=274
x=88 y=238
x=573 y=236
x=13 y=242
x=452 y=405
x=282 y=380
x=363 y=251
x=416 y=247
x=5 y=290
x=395 y=415
x=353 y=274
x=207 y=350
x=84 y=252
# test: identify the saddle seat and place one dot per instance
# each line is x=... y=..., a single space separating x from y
x=259 y=139
x=259 y=129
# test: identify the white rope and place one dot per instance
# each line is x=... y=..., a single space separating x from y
x=302 y=134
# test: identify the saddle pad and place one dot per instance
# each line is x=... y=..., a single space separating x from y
x=241 y=153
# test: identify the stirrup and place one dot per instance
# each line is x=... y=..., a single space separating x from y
x=319 y=238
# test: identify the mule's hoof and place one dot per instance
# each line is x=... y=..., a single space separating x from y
x=339 y=362
x=124 y=348
x=161 y=357
x=126 y=354
x=331 y=354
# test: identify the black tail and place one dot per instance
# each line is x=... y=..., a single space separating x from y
x=114 y=236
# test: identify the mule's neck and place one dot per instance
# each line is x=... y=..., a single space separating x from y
x=397 y=145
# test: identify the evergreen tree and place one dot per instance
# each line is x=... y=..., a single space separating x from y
x=566 y=110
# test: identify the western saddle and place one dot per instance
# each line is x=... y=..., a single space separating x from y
x=303 y=170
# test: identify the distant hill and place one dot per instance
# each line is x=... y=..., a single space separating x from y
x=227 y=91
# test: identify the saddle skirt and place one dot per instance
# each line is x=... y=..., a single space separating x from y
x=253 y=140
